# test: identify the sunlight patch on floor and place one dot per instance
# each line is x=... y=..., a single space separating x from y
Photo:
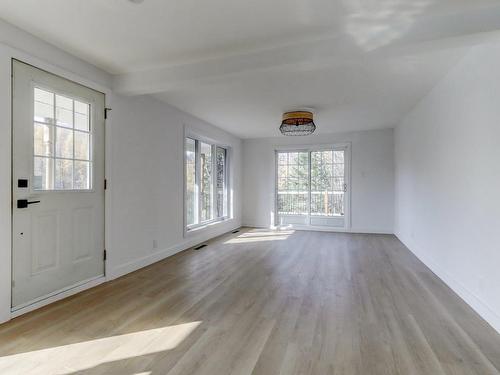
x=87 y=354
x=260 y=236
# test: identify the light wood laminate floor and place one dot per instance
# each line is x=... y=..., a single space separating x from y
x=261 y=302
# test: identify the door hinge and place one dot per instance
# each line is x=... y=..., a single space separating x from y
x=104 y=255
x=105 y=184
x=106 y=110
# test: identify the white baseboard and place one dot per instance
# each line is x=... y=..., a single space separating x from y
x=145 y=261
x=137 y=264
x=475 y=302
x=119 y=271
x=256 y=226
x=327 y=229
x=371 y=231
x=59 y=295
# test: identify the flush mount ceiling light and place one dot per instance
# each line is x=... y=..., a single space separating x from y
x=136 y=1
x=297 y=123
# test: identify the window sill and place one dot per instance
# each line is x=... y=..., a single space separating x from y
x=201 y=227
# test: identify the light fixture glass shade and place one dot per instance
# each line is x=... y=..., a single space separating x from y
x=297 y=123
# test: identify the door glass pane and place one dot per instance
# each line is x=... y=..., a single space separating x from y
x=81 y=108
x=43 y=106
x=64 y=174
x=206 y=181
x=327 y=183
x=44 y=113
x=81 y=122
x=43 y=96
x=82 y=146
x=191 y=204
x=293 y=183
x=43 y=139
x=64 y=111
x=43 y=174
x=64 y=143
x=82 y=175
x=221 y=182
x=82 y=112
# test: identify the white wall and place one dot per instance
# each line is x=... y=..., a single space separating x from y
x=448 y=180
x=144 y=153
x=146 y=181
x=372 y=177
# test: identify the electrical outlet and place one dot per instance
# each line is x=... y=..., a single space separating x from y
x=155 y=244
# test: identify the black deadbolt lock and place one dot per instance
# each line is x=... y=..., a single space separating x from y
x=22 y=183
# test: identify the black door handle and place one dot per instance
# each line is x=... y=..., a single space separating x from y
x=23 y=203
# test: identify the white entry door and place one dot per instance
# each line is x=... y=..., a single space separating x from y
x=57 y=185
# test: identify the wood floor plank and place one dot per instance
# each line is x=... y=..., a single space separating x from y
x=262 y=302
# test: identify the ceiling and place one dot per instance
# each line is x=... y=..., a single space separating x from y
x=344 y=96
x=361 y=64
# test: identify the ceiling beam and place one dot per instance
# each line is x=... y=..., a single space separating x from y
x=358 y=44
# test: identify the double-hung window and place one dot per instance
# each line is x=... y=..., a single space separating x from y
x=206 y=181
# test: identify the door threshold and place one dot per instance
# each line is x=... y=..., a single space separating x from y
x=313 y=228
x=56 y=296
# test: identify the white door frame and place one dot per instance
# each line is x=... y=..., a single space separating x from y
x=347 y=198
x=6 y=312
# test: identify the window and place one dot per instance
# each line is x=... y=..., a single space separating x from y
x=205 y=182
x=221 y=192
x=311 y=186
x=62 y=142
x=293 y=183
x=327 y=183
x=191 y=194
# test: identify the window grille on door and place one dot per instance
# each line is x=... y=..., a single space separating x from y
x=62 y=142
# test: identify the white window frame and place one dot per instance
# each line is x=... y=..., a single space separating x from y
x=214 y=144
x=346 y=146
